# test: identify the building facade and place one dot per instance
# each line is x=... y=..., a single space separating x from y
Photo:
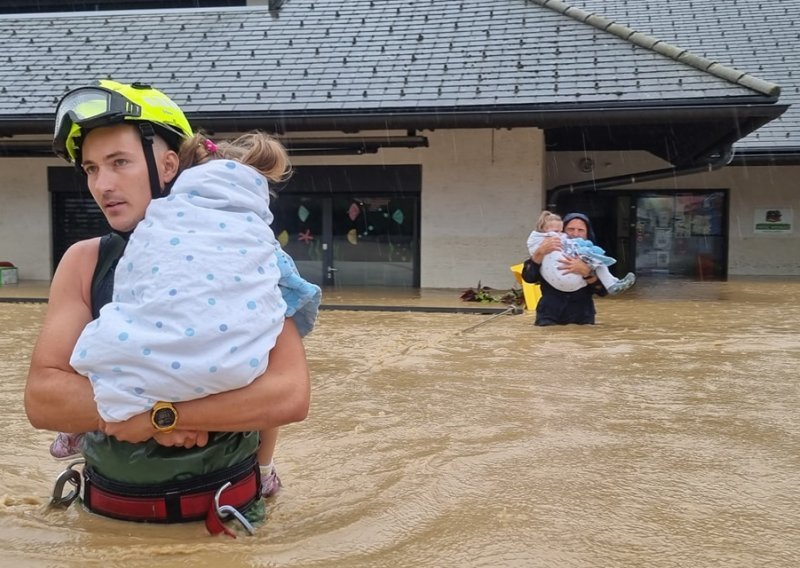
x=426 y=137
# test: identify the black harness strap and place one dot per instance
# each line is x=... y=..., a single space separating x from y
x=112 y=246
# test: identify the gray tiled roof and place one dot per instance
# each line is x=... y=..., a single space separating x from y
x=325 y=56
x=758 y=36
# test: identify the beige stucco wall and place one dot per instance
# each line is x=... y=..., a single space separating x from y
x=750 y=188
x=481 y=191
x=763 y=188
x=25 y=216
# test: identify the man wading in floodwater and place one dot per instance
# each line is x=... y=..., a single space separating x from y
x=165 y=464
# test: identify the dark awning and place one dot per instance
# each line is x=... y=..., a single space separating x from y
x=680 y=134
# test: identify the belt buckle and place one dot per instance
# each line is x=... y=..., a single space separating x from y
x=69 y=475
x=225 y=512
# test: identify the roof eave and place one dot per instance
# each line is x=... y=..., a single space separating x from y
x=614 y=122
x=540 y=116
x=775 y=156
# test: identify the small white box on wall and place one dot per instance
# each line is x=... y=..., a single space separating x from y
x=8 y=275
x=773 y=221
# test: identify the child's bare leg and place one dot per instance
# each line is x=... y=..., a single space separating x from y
x=270 y=482
x=605 y=276
x=269 y=439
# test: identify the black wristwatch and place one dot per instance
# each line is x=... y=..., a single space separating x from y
x=164 y=417
x=591 y=275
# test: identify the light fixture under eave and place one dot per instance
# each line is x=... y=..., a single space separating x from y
x=319 y=146
x=585 y=165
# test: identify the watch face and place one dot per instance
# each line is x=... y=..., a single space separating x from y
x=164 y=417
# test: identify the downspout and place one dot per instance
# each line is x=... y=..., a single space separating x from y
x=716 y=163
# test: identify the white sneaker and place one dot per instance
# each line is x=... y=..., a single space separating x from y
x=622 y=284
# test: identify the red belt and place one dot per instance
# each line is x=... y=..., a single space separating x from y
x=173 y=507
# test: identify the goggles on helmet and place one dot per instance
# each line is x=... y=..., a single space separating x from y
x=112 y=103
x=84 y=109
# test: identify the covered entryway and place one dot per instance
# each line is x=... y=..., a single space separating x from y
x=660 y=233
x=681 y=234
x=352 y=226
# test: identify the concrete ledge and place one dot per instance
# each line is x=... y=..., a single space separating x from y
x=356 y=299
x=485 y=310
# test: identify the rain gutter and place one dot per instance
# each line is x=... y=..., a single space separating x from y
x=488 y=117
x=782 y=156
x=495 y=116
x=715 y=163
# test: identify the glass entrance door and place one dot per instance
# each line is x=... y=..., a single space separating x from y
x=299 y=227
x=681 y=235
x=352 y=225
x=349 y=240
x=374 y=240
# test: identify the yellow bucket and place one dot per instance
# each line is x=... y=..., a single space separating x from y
x=531 y=292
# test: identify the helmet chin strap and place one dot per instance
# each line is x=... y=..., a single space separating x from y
x=148 y=135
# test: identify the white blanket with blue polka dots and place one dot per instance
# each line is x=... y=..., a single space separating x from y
x=197 y=304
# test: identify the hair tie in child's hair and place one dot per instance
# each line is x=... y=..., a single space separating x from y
x=210 y=147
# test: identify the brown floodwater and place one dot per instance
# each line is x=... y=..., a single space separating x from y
x=665 y=436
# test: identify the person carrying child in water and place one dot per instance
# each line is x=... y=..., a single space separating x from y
x=177 y=461
x=200 y=293
x=551 y=224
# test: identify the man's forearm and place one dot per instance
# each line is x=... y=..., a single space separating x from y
x=61 y=401
x=238 y=411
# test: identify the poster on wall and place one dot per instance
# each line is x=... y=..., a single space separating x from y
x=774 y=221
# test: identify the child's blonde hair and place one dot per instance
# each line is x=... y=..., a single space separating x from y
x=256 y=149
x=545 y=218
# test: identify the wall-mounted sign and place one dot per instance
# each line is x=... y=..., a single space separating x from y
x=777 y=220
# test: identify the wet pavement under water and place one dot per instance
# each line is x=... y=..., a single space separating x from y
x=667 y=435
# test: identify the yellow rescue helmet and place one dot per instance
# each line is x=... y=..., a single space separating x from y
x=109 y=102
